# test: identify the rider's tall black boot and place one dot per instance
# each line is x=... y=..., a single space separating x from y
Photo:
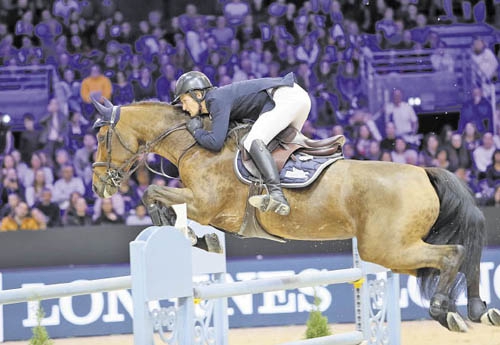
x=275 y=201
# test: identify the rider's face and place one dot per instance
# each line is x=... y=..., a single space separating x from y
x=189 y=105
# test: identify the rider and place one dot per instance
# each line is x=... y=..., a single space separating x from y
x=274 y=104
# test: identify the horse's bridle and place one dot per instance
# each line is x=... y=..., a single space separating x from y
x=114 y=175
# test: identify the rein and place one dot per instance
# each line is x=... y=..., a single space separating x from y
x=114 y=175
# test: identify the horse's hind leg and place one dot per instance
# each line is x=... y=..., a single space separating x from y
x=442 y=307
x=427 y=258
x=476 y=307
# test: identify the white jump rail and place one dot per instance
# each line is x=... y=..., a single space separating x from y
x=305 y=279
x=76 y=288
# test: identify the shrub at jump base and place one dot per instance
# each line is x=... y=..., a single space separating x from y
x=317 y=324
x=40 y=335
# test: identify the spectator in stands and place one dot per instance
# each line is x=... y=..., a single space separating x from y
x=362 y=142
x=13 y=200
x=36 y=163
x=6 y=136
x=54 y=128
x=82 y=160
x=308 y=51
x=123 y=92
x=403 y=116
x=73 y=197
x=20 y=219
x=386 y=156
x=77 y=129
x=62 y=158
x=374 y=150
x=428 y=156
x=143 y=181
x=222 y=34
x=96 y=85
x=29 y=140
x=33 y=193
x=78 y=216
x=107 y=214
x=144 y=88
x=442 y=158
x=245 y=33
x=63 y=9
x=411 y=157
x=483 y=154
x=470 y=136
x=458 y=155
x=49 y=208
x=168 y=75
x=128 y=192
x=484 y=58
x=10 y=184
x=235 y=11
x=73 y=96
x=398 y=155
x=349 y=84
x=389 y=141
x=493 y=170
x=441 y=60
x=139 y=217
x=66 y=185
x=8 y=163
x=38 y=215
x=477 y=111
x=20 y=166
x=25 y=26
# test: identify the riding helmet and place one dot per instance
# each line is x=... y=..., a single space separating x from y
x=190 y=81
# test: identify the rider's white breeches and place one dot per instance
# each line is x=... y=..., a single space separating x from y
x=292 y=109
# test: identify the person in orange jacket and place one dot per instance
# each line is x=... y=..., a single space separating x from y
x=20 y=219
x=96 y=85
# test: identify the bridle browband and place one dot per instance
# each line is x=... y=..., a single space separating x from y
x=116 y=174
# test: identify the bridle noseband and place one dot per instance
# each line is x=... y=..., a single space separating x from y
x=114 y=175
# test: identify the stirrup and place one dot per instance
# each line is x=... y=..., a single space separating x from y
x=265 y=203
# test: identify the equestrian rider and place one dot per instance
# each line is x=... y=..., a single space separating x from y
x=273 y=103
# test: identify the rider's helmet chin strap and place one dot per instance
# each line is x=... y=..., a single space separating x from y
x=198 y=100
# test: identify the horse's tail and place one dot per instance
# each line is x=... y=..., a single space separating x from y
x=460 y=221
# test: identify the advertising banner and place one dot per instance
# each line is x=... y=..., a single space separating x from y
x=110 y=312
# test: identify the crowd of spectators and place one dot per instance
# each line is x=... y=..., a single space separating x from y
x=97 y=51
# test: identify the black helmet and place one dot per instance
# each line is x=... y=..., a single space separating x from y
x=190 y=81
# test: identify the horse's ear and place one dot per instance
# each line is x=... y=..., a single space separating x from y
x=101 y=109
x=107 y=103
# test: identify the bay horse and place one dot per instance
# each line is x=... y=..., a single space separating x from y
x=413 y=220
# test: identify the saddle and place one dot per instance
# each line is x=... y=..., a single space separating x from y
x=288 y=143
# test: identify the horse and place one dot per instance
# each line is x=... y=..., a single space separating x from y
x=413 y=220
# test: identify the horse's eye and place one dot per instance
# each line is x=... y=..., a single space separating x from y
x=100 y=138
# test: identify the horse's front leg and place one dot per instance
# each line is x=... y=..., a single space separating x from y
x=159 y=199
x=169 y=196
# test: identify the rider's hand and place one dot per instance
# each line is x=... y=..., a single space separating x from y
x=194 y=124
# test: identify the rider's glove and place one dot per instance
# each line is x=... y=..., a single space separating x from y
x=194 y=124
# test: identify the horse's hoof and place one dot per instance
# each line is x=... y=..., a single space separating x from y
x=491 y=317
x=191 y=235
x=213 y=244
x=456 y=323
